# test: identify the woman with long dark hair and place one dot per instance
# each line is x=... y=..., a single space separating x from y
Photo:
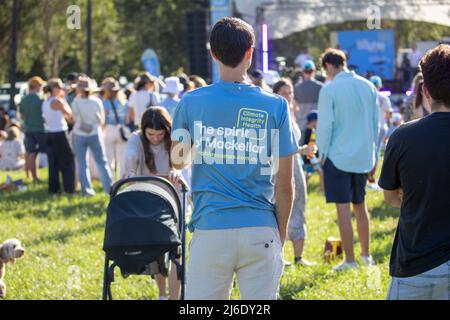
x=416 y=106
x=297 y=223
x=148 y=154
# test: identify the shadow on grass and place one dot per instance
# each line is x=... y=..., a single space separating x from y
x=65 y=235
x=65 y=211
x=384 y=211
x=298 y=279
x=40 y=195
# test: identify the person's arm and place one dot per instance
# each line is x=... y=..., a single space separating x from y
x=182 y=150
x=325 y=123
x=307 y=150
x=181 y=154
x=376 y=113
x=127 y=116
x=284 y=195
x=394 y=197
x=131 y=108
x=101 y=113
x=58 y=104
x=390 y=177
x=132 y=157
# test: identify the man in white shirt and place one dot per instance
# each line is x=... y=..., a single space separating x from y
x=144 y=97
x=302 y=57
x=414 y=58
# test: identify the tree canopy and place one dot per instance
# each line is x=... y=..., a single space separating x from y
x=123 y=29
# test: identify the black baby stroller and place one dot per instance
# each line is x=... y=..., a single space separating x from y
x=145 y=230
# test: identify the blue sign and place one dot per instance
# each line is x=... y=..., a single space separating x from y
x=369 y=51
x=219 y=10
x=151 y=62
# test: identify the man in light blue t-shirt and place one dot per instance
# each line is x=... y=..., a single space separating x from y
x=347 y=131
x=242 y=146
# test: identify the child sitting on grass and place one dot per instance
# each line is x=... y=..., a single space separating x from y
x=12 y=151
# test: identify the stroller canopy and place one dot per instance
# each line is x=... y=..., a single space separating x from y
x=142 y=224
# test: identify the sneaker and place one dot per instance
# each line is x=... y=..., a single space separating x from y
x=367 y=261
x=287 y=263
x=344 y=265
x=373 y=186
x=163 y=298
x=304 y=262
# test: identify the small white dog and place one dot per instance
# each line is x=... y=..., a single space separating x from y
x=10 y=250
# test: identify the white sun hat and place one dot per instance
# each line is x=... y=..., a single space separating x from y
x=173 y=85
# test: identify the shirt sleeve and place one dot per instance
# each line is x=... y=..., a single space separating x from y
x=376 y=117
x=180 y=121
x=75 y=113
x=101 y=112
x=287 y=140
x=132 y=157
x=131 y=102
x=389 y=178
x=155 y=100
x=325 y=115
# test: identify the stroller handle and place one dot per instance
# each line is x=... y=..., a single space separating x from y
x=116 y=186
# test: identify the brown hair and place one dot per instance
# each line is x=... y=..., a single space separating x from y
x=435 y=67
x=230 y=39
x=156 y=118
x=418 y=84
x=13 y=133
x=280 y=84
x=334 y=57
x=198 y=81
x=145 y=78
x=52 y=84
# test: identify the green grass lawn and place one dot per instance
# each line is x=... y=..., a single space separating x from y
x=63 y=237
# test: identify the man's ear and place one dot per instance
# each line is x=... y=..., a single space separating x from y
x=249 y=53
x=427 y=100
x=425 y=92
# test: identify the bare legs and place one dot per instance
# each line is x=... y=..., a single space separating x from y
x=346 y=230
x=174 y=284
x=31 y=165
x=298 y=247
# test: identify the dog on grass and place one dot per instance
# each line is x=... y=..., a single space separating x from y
x=10 y=250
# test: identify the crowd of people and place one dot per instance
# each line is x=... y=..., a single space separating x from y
x=337 y=128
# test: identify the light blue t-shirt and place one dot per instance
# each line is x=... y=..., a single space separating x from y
x=170 y=105
x=347 y=127
x=122 y=110
x=232 y=127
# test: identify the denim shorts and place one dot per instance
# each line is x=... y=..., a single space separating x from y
x=433 y=284
x=35 y=142
x=343 y=187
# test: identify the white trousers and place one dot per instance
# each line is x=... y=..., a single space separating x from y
x=254 y=254
x=116 y=150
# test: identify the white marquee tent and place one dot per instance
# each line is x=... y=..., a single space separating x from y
x=285 y=17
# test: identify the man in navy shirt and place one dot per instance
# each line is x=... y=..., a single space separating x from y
x=415 y=177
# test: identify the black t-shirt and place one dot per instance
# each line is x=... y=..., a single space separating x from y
x=417 y=159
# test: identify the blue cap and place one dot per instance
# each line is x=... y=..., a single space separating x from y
x=376 y=80
x=309 y=65
x=311 y=116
